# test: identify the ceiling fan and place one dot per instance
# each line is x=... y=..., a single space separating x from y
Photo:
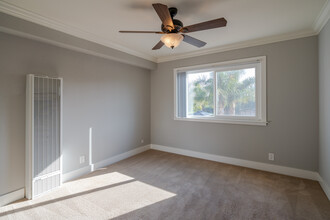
x=173 y=30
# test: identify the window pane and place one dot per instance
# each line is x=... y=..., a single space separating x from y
x=236 y=92
x=200 y=94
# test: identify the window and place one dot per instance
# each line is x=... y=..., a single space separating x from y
x=227 y=92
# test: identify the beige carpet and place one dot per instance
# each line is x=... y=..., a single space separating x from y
x=159 y=185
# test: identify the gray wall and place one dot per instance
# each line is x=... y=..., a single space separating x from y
x=292 y=90
x=324 y=84
x=111 y=97
x=114 y=99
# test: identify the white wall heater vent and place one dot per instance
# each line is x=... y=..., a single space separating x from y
x=43 y=135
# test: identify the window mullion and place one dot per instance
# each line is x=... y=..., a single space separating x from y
x=186 y=95
x=214 y=93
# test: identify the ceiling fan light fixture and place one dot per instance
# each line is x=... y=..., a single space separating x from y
x=171 y=40
x=174 y=31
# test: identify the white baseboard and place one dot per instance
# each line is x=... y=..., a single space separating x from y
x=120 y=157
x=76 y=173
x=239 y=162
x=90 y=168
x=306 y=174
x=11 y=197
x=324 y=186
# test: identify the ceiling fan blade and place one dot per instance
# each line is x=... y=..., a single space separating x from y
x=216 y=23
x=164 y=15
x=142 y=32
x=193 y=41
x=158 y=45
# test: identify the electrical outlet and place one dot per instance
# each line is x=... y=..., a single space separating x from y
x=271 y=156
x=82 y=159
x=142 y=141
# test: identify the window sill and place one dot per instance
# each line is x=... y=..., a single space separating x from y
x=238 y=122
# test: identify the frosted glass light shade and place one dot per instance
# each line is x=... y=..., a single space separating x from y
x=171 y=40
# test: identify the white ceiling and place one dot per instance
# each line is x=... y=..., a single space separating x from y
x=100 y=21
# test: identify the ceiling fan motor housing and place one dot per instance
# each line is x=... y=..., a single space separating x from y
x=177 y=23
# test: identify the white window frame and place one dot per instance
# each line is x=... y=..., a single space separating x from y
x=261 y=101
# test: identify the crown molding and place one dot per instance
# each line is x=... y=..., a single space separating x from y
x=27 y=15
x=323 y=17
x=66 y=46
x=24 y=14
x=240 y=45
